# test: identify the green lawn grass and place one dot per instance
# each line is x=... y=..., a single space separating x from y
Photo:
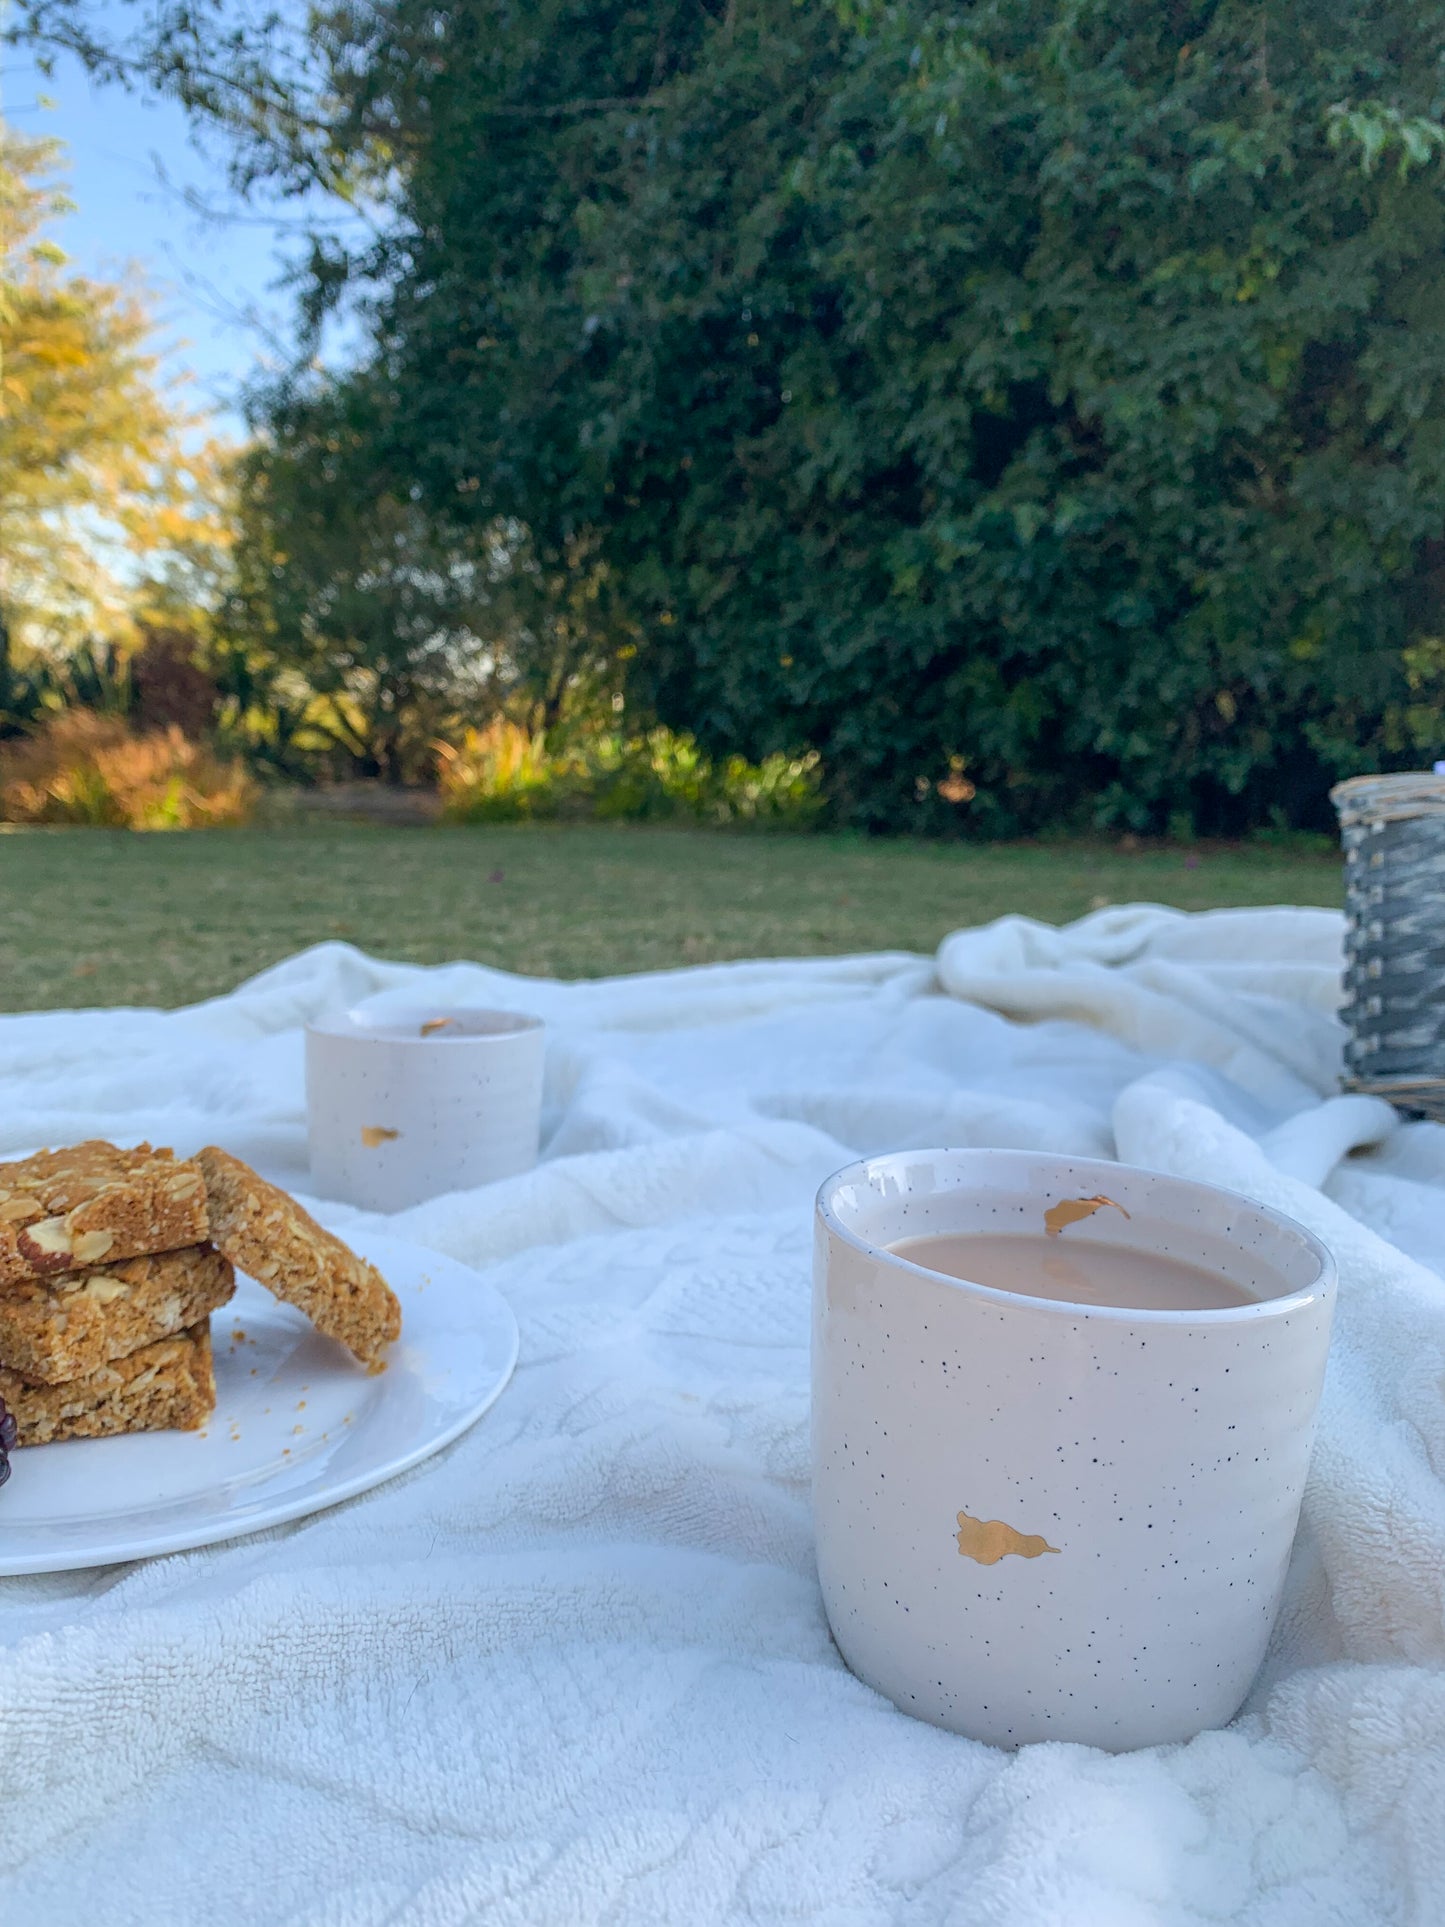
x=106 y=917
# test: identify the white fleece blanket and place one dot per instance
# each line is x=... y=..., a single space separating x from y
x=575 y=1669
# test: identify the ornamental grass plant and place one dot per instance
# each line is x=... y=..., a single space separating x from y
x=82 y=768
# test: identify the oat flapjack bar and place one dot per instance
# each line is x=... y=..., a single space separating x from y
x=68 y=1210
x=59 y=1328
x=266 y=1234
x=168 y=1384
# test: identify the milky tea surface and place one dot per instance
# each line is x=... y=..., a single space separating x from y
x=1079 y=1273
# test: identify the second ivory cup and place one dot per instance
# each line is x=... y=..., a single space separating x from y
x=406 y=1105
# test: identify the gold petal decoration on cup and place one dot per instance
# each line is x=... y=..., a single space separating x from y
x=989 y=1540
x=373 y=1135
x=1071 y=1210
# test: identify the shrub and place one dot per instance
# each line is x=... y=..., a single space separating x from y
x=499 y=774
x=170 y=686
x=504 y=774
x=662 y=775
x=82 y=768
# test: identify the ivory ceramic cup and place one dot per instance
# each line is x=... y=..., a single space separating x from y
x=408 y=1105
x=1038 y=1520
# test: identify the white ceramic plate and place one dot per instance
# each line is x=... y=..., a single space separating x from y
x=297 y=1426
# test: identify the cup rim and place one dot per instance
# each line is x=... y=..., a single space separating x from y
x=1321 y=1285
x=380 y=1027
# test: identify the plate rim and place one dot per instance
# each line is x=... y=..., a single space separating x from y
x=300 y=1505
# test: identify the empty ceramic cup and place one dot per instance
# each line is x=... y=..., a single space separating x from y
x=408 y=1105
x=1039 y=1519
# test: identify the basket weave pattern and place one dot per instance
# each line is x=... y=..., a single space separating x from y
x=1393 y=830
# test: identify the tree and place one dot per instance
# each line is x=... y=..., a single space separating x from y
x=1039 y=402
x=377 y=622
x=344 y=597
x=1043 y=396
x=98 y=492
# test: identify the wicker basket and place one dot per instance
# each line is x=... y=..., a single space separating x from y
x=1393 y=828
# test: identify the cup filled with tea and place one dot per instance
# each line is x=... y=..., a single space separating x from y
x=407 y=1104
x=1062 y=1418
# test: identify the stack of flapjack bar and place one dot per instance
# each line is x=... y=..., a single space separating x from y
x=111 y=1263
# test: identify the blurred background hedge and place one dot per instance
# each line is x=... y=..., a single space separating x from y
x=981 y=418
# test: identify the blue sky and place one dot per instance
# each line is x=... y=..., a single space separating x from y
x=130 y=162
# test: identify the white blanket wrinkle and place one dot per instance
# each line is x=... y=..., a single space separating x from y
x=575 y=1668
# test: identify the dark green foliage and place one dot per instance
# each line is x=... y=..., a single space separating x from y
x=1053 y=390
x=94 y=676
x=1041 y=395
x=351 y=630
x=366 y=623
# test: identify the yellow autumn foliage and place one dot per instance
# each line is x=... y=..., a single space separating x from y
x=98 y=489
